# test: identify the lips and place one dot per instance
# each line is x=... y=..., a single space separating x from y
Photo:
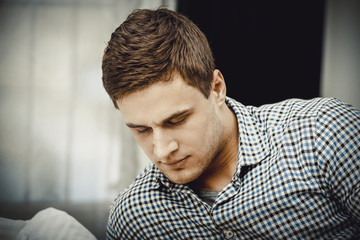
x=177 y=163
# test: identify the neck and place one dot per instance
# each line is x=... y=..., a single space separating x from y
x=222 y=169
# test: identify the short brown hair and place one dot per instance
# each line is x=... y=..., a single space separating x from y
x=151 y=46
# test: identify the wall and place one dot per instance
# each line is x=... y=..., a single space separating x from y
x=341 y=59
x=61 y=139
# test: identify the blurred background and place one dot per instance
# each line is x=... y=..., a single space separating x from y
x=63 y=144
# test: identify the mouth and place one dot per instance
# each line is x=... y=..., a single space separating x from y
x=176 y=164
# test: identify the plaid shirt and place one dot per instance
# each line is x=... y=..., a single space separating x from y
x=298 y=177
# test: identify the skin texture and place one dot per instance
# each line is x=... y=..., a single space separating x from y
x=190 y=138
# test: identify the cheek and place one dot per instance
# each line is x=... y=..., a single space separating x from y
x=145 y=144
x=195 y=135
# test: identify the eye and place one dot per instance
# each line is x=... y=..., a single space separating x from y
x=178 y=121
x=142 y=130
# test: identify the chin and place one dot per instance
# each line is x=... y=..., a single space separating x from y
x=181 y=181
x=181 y=178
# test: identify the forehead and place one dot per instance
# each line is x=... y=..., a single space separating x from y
x=159 y=101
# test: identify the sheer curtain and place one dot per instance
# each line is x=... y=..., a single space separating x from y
x=61 y=140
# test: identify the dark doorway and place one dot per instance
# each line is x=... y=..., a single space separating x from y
x=268 y=51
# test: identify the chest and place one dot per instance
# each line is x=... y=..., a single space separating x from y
x=270 y=202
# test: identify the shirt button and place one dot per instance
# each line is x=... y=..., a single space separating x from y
x=228 y=234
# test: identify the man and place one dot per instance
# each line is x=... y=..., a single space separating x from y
x=221 y=170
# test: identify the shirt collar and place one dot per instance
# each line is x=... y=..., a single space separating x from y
x=252 y=142
x=156 y=178
x=253 y=147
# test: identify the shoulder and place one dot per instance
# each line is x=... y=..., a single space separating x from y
x=282 y=111
x=338 y=131
x=338 y=112
x=142 y=185
x=127 y=205
x=337 y=147
x=326 y=120
x=283 y=114
x=291 y=108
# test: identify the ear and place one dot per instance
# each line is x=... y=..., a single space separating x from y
x=218 y=86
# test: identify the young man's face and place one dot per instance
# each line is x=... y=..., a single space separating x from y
x=177 y=127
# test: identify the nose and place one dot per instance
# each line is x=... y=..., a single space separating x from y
x=163 y=144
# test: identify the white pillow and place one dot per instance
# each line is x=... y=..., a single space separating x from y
x=53 y=224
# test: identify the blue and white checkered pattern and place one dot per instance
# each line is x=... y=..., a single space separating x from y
x=298 y=177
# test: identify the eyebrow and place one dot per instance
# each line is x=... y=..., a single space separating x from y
x=172 y=116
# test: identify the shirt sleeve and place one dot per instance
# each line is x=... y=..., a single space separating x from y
x=113 y=230
x=121 y=219
x=110 y=232
x=338 y=152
